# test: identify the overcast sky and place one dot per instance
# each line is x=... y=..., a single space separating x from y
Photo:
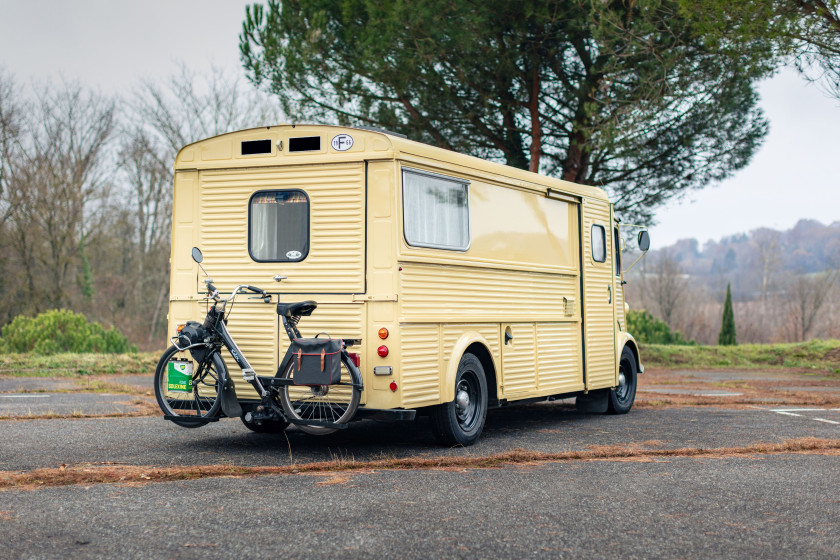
x=109 y=45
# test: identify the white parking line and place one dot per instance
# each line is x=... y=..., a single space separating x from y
x=790 y=412
x=25 y=396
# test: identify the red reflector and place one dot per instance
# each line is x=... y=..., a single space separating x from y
x=356 y=358
x=393 y=385
x=382 y=351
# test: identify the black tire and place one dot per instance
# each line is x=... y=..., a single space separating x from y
x=336 y=404
x=461 y=421
x=266 y=427
x=202 y=401
x=622 y=397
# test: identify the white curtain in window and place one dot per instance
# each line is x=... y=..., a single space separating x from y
x=263 y=239
x=435 y=211
x=599 y=243
x=279 y=226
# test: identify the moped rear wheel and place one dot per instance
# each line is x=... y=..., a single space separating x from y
x=185 y=390
x=320 y=403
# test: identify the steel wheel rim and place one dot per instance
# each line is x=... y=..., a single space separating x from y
x=622 y=392
x=467 y=400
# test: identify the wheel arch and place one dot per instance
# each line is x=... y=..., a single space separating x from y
x=475 y=344
x=627 y=341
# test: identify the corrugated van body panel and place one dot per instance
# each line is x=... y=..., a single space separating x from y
x=335 y=263
x=598 y=311
x=257 y=330
x=254 y=328
x=420 y=365
x=453 y=331
x=558 y=357
x=619 y=305
x=458 y=293
x=519 y=360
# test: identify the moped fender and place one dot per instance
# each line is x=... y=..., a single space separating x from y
x=230 y=403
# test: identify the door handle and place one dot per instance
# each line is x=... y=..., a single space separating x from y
x=609 y=291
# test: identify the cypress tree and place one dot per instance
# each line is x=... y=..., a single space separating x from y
x=727 y=326
x=86 y=280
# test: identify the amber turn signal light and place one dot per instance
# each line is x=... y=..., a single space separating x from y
x=180 y=328
x=383 y=333
x=382 y=351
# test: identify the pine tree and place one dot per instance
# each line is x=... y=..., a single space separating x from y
x=86 y=281
x=727 y=327
x=624 y=95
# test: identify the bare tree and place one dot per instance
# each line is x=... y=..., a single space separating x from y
x=667 y=285
x=11 y=111
x=58 y=187
x=190 y=106
x=768 y=257
x=806 y=296
x=162 y=119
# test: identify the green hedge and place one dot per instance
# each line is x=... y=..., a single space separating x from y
x=61 y=330
x=649 y=330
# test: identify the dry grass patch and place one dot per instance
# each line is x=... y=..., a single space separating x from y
x=142 y=408
x=336 y=471
x=753 y=390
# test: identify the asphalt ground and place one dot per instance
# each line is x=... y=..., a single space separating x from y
x=66 y=404
x=547 y=428
x=780 y=506
x=725 y=504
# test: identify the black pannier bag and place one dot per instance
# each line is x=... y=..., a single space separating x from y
x=316 y=361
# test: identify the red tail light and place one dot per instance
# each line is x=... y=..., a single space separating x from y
x=382 y=351
x=356 y=359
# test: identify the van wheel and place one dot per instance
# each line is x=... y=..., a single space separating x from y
x=461 y=421
x=622 y=397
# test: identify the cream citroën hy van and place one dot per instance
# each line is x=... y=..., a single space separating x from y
x=466 y=284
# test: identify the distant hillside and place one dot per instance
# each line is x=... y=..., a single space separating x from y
x=754 y=261
x=785 y=284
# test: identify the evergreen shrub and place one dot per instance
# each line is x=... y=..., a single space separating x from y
x=647 y=329
x=61 y=330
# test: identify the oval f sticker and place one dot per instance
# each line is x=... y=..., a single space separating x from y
x=342 y=142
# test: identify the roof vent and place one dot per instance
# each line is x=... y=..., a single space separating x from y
x=305 y=144
x=254 y=147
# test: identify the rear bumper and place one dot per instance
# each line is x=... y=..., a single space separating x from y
x=387 y=415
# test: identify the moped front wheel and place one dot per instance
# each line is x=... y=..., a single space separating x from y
x=335 y=404
x=187 y=391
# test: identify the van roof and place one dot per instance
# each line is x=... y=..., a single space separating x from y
x=225 y=151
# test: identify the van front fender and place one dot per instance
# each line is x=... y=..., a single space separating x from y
x=626 y=339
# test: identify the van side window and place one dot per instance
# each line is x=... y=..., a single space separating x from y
x=617 y=249
x=599 y=243
x=436 y=211
x=278 y=226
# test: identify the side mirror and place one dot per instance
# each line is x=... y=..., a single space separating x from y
x=644 y=241
x=196 y=255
